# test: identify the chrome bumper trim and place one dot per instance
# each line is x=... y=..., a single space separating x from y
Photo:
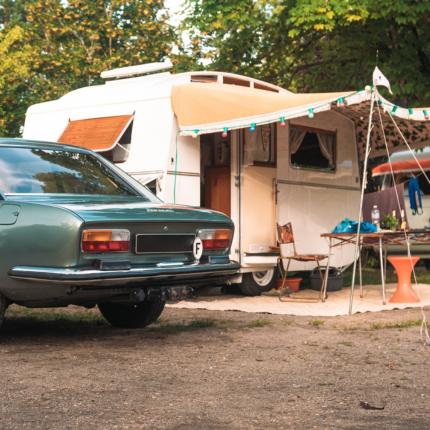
x=109 y=277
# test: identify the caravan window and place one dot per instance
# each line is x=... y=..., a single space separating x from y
x=312 y=148
x=119 y=154
x=260 y=146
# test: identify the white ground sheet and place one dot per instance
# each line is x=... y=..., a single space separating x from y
x=337 y=302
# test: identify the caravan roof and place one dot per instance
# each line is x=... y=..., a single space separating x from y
x=152 y=86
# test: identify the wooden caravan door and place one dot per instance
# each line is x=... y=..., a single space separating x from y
x=217 y=189
x=215 y=192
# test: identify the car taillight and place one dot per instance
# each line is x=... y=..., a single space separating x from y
x=105 y=240
x=215 y=239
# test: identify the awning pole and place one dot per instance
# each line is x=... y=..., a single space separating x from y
x=357 y=242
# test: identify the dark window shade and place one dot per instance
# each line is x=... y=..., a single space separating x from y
x=309 y=155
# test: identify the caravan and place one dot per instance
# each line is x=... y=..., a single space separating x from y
x=299 y=168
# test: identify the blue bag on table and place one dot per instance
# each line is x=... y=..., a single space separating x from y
x=349 y=226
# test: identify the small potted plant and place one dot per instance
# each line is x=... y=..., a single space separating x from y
x=390 y=223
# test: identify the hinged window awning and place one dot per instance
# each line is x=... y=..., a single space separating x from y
x=96 y=134
x=211 y=107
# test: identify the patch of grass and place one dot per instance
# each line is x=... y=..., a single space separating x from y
x=346 y=343
x=329 y=383
x=225 y=322
x=15 y=317
x=208 y=322
x=180 y=327
x=376 y=326
x=402 y=324
x=162 y=321
x=312 y=344
x=288 y=322
x=316 y=323
x=373 y=277
x=258 y=323
x=351 y=328
x=326 y=347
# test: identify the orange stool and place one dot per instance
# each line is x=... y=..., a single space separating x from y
x=404 y=292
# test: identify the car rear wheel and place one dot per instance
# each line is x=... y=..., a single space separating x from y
x=3 y=307
x=136 y=315
x=254 y=283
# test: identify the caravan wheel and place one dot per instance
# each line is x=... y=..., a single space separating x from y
x=254 y=283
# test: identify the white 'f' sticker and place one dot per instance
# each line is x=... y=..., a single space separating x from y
x=197 y=248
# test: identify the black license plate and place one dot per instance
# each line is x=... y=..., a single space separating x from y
x=164 y=243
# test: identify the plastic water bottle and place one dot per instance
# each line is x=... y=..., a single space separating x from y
x=375 y=216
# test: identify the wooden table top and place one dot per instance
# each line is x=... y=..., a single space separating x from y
x=380 y=233
x=382 y=237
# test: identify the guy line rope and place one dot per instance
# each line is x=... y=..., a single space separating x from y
x=424 y=323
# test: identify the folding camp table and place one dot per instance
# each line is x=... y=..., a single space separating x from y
x=380 y=239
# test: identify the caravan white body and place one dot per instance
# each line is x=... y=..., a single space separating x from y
x=314 y=200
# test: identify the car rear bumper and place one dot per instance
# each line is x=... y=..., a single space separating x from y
x=161 y=274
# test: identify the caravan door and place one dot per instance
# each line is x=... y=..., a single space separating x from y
x=258 y=173
x=318 y=183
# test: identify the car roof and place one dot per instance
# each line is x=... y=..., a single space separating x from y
x=24 y=143
x=408 y=155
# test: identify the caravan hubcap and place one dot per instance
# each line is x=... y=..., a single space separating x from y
x=263 y=278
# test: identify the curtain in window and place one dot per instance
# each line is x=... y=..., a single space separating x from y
x=296 y=139
x=250 y=141
x=327 y=147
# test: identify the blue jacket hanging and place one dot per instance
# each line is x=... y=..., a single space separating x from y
x=414 y=187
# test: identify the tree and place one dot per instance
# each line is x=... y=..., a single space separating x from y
x=317 y=45
x=60 y=46
x=12 y=12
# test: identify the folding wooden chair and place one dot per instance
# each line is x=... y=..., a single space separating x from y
x=285 y=235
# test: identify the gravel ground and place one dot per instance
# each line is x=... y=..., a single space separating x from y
x=199 y=369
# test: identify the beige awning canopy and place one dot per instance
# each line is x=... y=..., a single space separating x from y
x=208 y=108
x=212 y=107
x=96 y=134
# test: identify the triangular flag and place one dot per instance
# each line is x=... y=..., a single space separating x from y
x=380 y=79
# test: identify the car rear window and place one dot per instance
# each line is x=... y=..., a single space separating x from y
x=46 y=171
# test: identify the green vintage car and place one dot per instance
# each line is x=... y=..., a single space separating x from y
x=75 y=229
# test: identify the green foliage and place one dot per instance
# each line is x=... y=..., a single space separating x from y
x=402 y=324
x=346 y=343
x=370 y=258
x=180 y=328
x=18 y=317
x=390 y=222
x=313 y=45
x=316 y=323
x=12 y=12
x=258 y=323
x=51 y=47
